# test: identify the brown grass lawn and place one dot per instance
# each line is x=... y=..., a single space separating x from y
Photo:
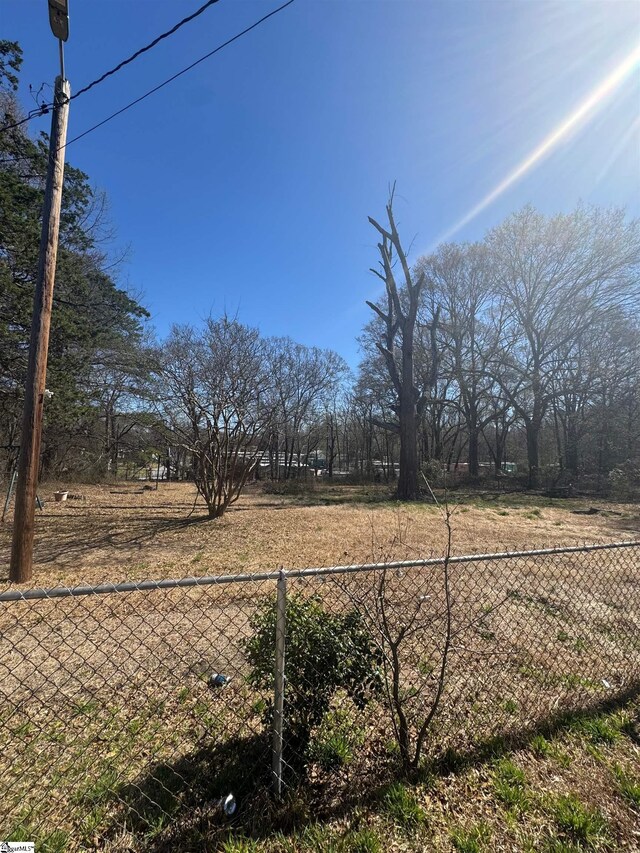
x=121 y=532
x=113 y=739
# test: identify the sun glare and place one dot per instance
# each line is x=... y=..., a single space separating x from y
x=583 y=112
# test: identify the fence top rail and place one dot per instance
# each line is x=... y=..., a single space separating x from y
x=221 y=580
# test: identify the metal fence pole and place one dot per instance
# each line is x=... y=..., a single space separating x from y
x=278 y=697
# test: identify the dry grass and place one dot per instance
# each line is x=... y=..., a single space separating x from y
x=109 y=726
x=120 y=532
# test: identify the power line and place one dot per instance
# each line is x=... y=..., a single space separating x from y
x=170 y=79
x=145 y=49
x=180 y=73
x=44 y=108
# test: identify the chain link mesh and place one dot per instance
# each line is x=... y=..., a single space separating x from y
x=128 y=712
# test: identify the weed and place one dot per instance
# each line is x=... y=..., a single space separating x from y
x=596 y=729
x=579 y=822
x=572 y=680
x=559 y=755
x=391 y=747
x=23 y=729
x=92 y=822
x=555 y=845
x=628 y=786
x=471 y=839
x=100 y=789
x=509 y=784
x=54 y=843
x=594 y=751
x=510 y=706
x=533 y=673
x=540 y=746
x=363 y=840
x=86 y=708
x=450 y=762
x=156 y=826
x=156 y=707
x=239 y=845
x=134 y=726
x=562 y=636
x=318 y=838
x=259 y=707
x=486 y=635
x=402 y=806
x=425 y=667
x=335 y=740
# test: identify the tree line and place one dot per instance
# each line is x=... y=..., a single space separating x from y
x=525 y=342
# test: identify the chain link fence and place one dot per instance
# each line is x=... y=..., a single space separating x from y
x=130 y=712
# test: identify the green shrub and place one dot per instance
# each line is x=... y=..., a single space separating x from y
x=325 y=652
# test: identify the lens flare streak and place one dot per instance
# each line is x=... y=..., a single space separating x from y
x=585 y=110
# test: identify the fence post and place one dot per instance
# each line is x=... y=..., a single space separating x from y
x=278 y=697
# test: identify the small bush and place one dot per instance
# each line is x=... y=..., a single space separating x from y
x=295 y=486
x=434 y=473
x=624 y=481
x=325 y=652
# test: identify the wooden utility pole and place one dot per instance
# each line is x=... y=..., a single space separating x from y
x=29 y=460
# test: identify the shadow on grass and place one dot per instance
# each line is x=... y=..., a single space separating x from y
x=455 y=761
x=77 y=542
x=177 y=805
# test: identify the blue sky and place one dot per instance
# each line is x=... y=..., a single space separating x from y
x=246 y=184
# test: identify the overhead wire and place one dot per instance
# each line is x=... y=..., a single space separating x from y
x=44 y=108
x=180 y=73
x=169 y=79
x=144 y=49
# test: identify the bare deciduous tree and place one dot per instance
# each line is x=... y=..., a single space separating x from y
x=399 y=319
x=555 y=277
x=215 y=386
x=401 y=624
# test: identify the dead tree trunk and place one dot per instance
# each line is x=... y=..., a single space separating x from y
x=397 y=347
